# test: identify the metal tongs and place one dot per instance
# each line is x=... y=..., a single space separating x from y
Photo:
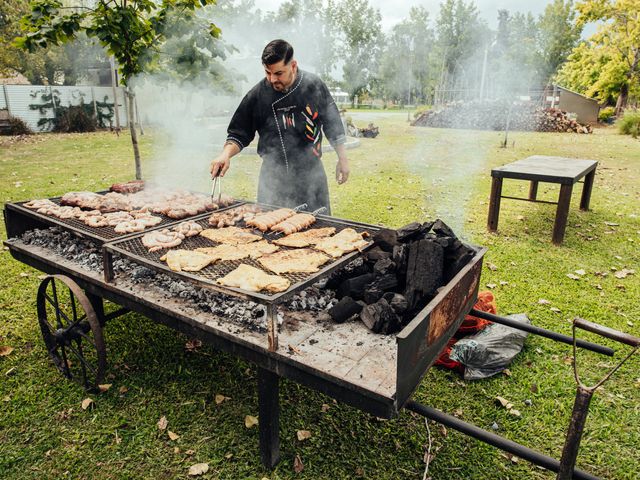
x=217 y=182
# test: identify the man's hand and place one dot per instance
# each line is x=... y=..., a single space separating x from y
x=342 y=170
x=220 y=165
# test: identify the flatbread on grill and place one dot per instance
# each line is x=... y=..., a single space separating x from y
x=343 y=242
x=302 y=260
x=231 y=235
x=253 y=279
x=186 y=260
x=306 y=238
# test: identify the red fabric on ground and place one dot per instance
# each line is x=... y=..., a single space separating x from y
x=486 y=303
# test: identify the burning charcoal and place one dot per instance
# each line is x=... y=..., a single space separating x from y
x=354 y=287
x=442 y=229
x=339 y=277
x=424 y=271
x=444 y=242
x=380 y=317
x=409 y=232
x=384 y=266
x=345 y=309
x=386 y=239
x=372 y=294
x=376 y=253
x=386 y=282
x=426 y=227
x=400 y=258
x=398 y=302
x=456 y=257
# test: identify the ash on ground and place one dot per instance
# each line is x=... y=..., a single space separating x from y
x=247 y=314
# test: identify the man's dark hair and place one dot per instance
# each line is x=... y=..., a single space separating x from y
x=277 y=50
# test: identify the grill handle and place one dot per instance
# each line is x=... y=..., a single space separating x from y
x=607 y=332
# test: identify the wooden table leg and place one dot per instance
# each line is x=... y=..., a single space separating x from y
x=586 y=190
x=533 y=190
x=494 y=204
x=269 y=417
x=562 y=212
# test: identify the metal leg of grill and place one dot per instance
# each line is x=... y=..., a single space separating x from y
x=269 y=417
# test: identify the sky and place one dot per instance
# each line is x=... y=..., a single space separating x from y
x=394 y=11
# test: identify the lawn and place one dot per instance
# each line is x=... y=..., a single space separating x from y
x=406 y=174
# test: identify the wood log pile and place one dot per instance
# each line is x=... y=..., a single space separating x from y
x=398 y=276
x=494 y=115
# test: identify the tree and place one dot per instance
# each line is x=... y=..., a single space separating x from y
x=131 y=31
x=558 y=34
x=361 y=37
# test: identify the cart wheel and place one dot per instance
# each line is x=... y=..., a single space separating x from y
x=71 y=331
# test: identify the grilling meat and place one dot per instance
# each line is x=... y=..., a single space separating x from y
x=159 y=239
x=40 y=203
x=129 y=187
x=187 y=260
x=343 y=242
x=294 y=224
x=301 y=260
x=306 y=238
x=267 y=220
x=188 y=229
x=81 y=199
x=226 y=251
x=229 y=218
x=130 y=226
x=253 y=279
x=232 y=235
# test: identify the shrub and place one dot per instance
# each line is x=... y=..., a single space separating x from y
x=75 y=119
x=420 y=110
x=606 y=114
x=629 y=124
x=16 y=126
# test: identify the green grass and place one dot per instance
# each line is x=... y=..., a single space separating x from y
x=406 y=174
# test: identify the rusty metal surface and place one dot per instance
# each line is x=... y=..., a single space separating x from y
x=99 y=234
x=132 y=248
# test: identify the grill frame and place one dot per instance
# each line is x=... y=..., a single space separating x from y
x=299 y=281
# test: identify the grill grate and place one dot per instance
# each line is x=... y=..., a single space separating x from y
x=102 y=234
x=133 y=249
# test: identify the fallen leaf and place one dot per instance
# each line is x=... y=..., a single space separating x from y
x=630 y=323
x=220 y=398
x=580 y=272
x=189 y=452
x=198 y=469
x=533 y=388
x=298 y=466
x=506 y=372
x=515 y=412
x=192 y=345
x=325 y=407
x=172 y=436
x=618 y=257
x=554 y=309
x=176 y=450
x=250 y=421
x=542 y=301
x=24 y=274
x=122 y=390
x=491 y=267
x=612 y=224
x=520 y=217
x=293 y=349
x=5 y=350
x=303 y=435
x=86 y=403
x=503 y=283
x=572 y=276
x=443 y=430
x=491 y=285
x=162 y=423
x=228 y=456
x=104 y=387
x=6 y=398
x=623 y=273
x=505 y=403
x=118 y=439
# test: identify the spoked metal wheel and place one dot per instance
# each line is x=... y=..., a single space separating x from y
x=71 y=331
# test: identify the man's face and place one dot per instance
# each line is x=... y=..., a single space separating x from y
x=281 y=76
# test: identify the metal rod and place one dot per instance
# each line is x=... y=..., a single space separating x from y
x=607 y=332
x=530 y=200
x=272 y=327
x=492 y=439
x=558 y=337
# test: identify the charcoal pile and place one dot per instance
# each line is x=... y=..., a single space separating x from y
x=398 y=276
x=493 y=115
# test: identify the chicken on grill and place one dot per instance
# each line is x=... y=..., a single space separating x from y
x=294 y=224
x=343 y=242
x=253 y=279
x=232 y=235
x=159 y=239
x=229 y=218
x=302 y=260
x=189 y=228
x=267 y=220
x=227 y=251
x=186 y=260
x=306 y=238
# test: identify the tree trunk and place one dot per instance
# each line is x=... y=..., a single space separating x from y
x=621 y=104
x=132 y=128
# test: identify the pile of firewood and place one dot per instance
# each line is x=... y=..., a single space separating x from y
x=398 y=276
x=494 y=115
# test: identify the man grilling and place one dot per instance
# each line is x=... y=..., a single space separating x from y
x=290 y=109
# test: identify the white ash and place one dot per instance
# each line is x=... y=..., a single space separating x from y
x=85 y=252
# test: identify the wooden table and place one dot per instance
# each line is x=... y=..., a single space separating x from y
x=539 y=168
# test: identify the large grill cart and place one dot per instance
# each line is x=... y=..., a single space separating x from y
x=372 y=372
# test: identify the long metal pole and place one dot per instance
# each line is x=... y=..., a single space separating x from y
x=510 y=446
x=558 y=337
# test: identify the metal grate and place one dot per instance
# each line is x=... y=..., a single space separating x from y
x=102 y=234
x=133 y=249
